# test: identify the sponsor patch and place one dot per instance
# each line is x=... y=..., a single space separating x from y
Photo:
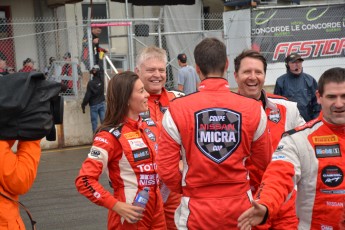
x=150 y=134
x=332 y=176
x=279 y=148
x=326 y=227
x=132 y=135
x=334 y=204
x=148 y=179
x=101 y=139
x=137 y=143
x=323 y=151
x=163 y=109
x=145 y=115
x=217 y=132
x=274 y=116
x=94 y=153
x=326 y=191
x=278 y=157
x=141 y=154
x=149 y=122
x=116 y=133
x=325 y=139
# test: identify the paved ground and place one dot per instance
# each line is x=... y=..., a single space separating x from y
x=54 y=201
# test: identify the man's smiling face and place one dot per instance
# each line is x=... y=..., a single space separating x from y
x=152 y=72
x=250 y=77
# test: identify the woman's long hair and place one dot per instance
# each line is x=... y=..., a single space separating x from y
x=119 y=91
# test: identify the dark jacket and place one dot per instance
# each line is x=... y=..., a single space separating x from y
x=301 y=89
x=95 y=91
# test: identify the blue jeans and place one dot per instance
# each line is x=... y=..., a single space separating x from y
x=95 y=111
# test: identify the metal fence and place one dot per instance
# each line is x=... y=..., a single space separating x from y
x=42 y=39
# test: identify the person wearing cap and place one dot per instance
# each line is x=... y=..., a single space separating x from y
x=28 y=65
x=188 y=80
x=67 y=71
x=52 y=71
x=299 y=87
x=97 y=50
x=94 y=96
x=3 y=64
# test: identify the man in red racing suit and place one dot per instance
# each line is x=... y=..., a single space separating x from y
x=151 y=68
x=215 y=131
x=282 y=115
x=311 y=157
x=132 y=147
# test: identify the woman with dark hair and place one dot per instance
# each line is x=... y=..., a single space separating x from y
x=125 y=147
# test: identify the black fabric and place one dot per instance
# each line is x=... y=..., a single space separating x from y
x=157 y=2
x=25 y=106
x=94 y=91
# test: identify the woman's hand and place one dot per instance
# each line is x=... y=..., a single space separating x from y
x=130 y=213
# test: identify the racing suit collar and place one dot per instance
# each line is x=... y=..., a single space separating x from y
x=136 y=124
x=214 y=84
x=337 y=129
x=267 y=103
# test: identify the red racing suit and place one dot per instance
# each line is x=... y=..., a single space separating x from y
x=127 y=154
x=309 y=156
x=17 y=174
x=214 y=130
x=282 y=116
x=158 y=104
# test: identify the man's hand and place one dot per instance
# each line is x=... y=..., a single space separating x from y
x=83 y=108
x=252 y=217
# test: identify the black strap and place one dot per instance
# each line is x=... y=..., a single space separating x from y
x=33 y=223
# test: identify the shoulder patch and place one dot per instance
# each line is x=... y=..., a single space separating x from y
x=116 y=131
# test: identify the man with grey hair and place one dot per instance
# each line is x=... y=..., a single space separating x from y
x=151 y=69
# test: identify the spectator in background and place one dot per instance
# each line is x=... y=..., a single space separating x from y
x=10 y=70
x=67 y=71
x=299 y=87
x=98 y=51
x=28 y=65
x=3 y=64
x=188 y=79
x=18 y=171
x=94 y=96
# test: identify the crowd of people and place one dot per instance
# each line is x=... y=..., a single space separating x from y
x=209 y=157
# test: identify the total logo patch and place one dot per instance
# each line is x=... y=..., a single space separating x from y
x=323 y=151
x=141 y=154
x=332 y=176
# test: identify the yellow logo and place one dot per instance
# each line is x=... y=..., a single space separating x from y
x=325 y=139
x=132 y=135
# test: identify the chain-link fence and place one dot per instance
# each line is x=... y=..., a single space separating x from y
x=46 y=41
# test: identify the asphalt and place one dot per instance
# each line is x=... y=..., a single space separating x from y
x=53 y=200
